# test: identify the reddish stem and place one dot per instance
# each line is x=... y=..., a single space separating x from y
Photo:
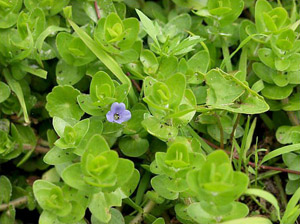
x=97 y=9
x=137 y=86
x=253 y=164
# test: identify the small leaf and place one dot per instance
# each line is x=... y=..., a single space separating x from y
x=62 y=102
x=5 y=92
x=149 y=26
x=133 y=146
x=280 y=151
x=6 y=190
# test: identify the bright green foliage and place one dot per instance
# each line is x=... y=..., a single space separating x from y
x=216 y=181
x=173 y=166
x=118 y=36
x=217 y=187
x=75 y=53
x=62 y=102
x=211 y=88
x=65 y=206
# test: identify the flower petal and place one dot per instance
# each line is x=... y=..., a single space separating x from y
x=125 y=116
x=110 y=116
x=117 y=108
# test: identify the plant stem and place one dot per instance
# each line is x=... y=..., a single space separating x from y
x=234 y=127
x=97 y=9
x=265 y=175
x=38 y=148
x=226 y=55
x=291 y=114
x=259 y=204
x=137 y=86
x=293 y=118
x=221 y=131
x=255 y=166
x=267 y=120
x=281 y=190
x=17 y=202
x=140 y=216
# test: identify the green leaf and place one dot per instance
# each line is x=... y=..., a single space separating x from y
x=133 y=146
x=277 y=93
x=149 y=62
x=77 y=213
x=221 y=90
x=72 y=176
x=8 y=216
x=292 y=210
x=67 y=74
x=102 y=89
x=149 y=27
x=100 y=206
x=158 y=129
x=57 y=156
x=49 y=31
x=107 y=60
x=33 y=70
x=264 y=72
x=284 y=134
x=159 y=221
x=116 y=218
x=5 y=92
x=176 y=84
x=280 y=151
x=131 y=184
x=252 y=220
x=50 y=197
x=293 y=103
x=224 y=91
x=87 y=105
x=124 y=171
x=6 y=190
x=62 y=102
x=73 y=50
x=267 y=56
x=267 y=196
x=9 y=15
x=16 y=88
x=159 y=184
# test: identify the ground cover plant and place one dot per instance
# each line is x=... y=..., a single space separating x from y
x=134 y=111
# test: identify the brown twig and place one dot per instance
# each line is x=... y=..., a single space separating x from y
x=97 y=9
x=42 y=147
x=253 y=164
x=17 y=202
x=38 y=148
x=137 y=86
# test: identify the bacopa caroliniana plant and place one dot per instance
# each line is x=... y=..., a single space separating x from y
x=135 y=111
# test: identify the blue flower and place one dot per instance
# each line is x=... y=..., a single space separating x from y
x=118 y=113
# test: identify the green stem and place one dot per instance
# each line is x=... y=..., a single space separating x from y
x=237 y=120
x=267 y=120
x=281 y=190
x=226 y=56
x=265 y=175
x=221 y=130
x=140 y=216
x=259 y=204
x=204 y=145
